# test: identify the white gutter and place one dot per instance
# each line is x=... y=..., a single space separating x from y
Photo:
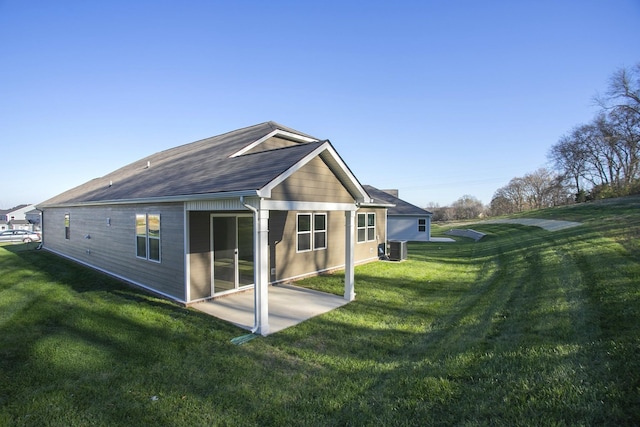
x=162 y=199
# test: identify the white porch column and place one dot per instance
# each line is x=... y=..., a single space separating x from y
x=349 y=249
x=261 y=257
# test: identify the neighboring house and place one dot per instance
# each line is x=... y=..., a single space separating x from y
x=18 y=212
x=17 y=218
x=258 y=205
x=404 y=220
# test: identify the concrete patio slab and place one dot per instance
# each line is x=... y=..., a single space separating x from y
x=288 y=306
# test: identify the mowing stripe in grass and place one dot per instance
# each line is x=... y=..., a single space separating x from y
x=525 y=327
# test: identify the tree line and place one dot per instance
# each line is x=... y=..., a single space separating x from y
x=595 y=160
x=602 y=158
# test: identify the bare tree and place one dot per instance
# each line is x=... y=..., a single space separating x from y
x=623 y=92
x=516 y=192
x=605 y=153
x=467 y=207
x=623 y=134
x=569 y=156
x=501 y=204
x=539 y=189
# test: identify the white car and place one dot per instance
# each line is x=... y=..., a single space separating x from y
x=19 y=236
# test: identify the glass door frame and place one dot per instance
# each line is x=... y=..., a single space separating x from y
x=237 y=285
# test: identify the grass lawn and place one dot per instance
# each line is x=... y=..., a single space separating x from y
x=524 y=327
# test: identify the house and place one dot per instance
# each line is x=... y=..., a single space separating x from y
x=404 y=220
x=17 y=212
x=252 y=207
x=16 y=218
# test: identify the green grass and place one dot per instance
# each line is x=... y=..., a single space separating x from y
x=524 y=327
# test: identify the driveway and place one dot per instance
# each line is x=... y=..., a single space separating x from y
x=288 y=306
x=547 y=224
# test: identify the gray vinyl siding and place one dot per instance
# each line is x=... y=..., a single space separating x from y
x=104 y=237
x=406 y=228
x=314 y=182
x=290 y=264
x=200 y=254
x=367 y=251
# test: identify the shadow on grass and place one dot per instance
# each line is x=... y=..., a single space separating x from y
x=536 y=334
x=525 y=327
x=78 y=343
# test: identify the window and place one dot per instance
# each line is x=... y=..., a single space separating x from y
x=371 y=227
x=67 y=226
x=319 y=231
x=362 y=228
x=311 y=232
x=366 y=227
x=304 y=232
x=422 y=225
x=148 y=236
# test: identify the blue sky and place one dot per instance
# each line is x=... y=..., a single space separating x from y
x=435 y=98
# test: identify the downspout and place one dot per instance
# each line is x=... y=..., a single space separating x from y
x=255 y=243
x=41 y=229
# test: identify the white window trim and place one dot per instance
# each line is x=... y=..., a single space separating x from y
x=326 y=234
x=299 y=233
x=312 y=231
x=148 y=238
x=366 y=227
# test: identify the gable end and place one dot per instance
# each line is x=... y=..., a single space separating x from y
x=286 y=139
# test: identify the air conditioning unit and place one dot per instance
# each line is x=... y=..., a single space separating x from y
x=397 y=250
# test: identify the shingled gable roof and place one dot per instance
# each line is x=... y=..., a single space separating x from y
x=15 y=208
x=210 y=167
x=400 y=206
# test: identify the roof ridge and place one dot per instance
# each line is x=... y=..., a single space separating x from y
x=276 y=125
x=180 y=150
x=219 y=136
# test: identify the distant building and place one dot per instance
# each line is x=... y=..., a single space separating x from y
x=404 y=220
x=18 y=212
x=20 y=218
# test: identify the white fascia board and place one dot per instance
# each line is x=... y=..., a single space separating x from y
x=377 y=205
x=324 y=147
x=289 y=205
x=166 y=199
x=354 y=181
x=276 y=132
x=411 y=215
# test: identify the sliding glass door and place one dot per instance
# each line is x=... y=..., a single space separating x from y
x=232 y=252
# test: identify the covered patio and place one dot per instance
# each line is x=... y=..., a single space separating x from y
x=288 y=306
